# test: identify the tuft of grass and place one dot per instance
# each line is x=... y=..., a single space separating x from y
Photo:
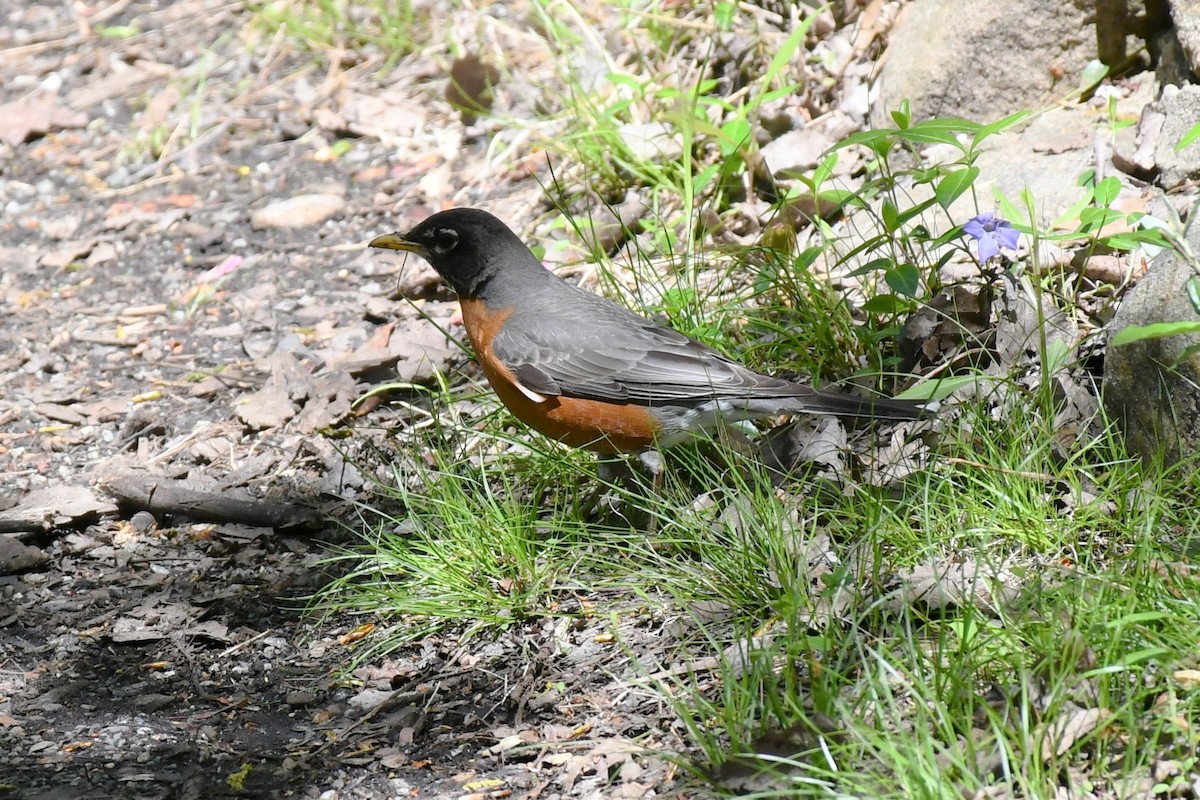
x=1009 y=618
x=1053 y=655
x=389 y=26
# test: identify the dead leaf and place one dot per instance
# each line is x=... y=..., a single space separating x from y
x=274 y=404
x=55 y=507
x=818 y=440
x=209 y=629
x=416 y=349
x=66 y=254
x=152 y=621
x=122 y=79
x=31 y=117
x=472 y=86
x=1187 y=678
x=1062 y=734
x=946 y=585
x=957 y=318
x=796 y=152
x=388 y=116
x=61 y=228
x=361 y=632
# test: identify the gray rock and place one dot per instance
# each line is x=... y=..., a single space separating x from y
x=1152 y=387
x=1030 y=51
x=1181 y=111
x=1186 y=16
x=299 y=211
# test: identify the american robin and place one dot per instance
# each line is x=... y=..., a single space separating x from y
x=583 y=370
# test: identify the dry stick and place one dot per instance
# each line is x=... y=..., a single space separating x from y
x=1037 y=476
x=200 y=141
x=166 y=496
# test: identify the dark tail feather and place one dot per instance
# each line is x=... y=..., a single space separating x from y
x=845 y=405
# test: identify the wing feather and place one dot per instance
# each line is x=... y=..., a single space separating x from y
x=617 y=355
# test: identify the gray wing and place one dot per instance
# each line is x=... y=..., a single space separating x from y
x=607 y=353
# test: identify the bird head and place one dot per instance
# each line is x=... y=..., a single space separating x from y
x=465 y=245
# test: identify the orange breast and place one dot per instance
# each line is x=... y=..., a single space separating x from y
x=604 y=427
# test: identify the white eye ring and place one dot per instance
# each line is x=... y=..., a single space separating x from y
x=445 y=240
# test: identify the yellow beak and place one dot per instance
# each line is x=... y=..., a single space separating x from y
x=394 y=241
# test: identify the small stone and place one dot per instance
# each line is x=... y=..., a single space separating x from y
x=299 y=211
x=143 y=521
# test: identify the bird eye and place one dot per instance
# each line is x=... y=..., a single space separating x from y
x=445 y=240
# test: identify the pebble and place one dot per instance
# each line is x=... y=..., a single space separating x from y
x=300 y=211
x=143 y=521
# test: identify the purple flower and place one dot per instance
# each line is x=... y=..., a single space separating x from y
x=992 y=233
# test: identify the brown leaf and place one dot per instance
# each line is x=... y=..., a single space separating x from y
x=388 y=116
x=30 y=117
x=275 y=403
x=949 y=584
x=1065 y=731
x=471 y=87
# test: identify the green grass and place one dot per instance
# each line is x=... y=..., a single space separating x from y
x=391 y=28
x=1009 y=615
x=846 y=666
x=1076 y=607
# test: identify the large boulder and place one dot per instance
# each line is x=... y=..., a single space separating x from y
x=1152 y=387
x=1032 y=51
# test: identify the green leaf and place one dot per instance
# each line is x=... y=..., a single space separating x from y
x=921 y=176
x=1193 y=290
x=1072 y=213
x=886 y=304
x=1057 y=355
x=874 y=265
x=1128 y=240
x=1107 y=190
x=1157 y=330
x=1094 y=218
x=954 y=185
x=621 y=79
x=1008 y=209
x=734 y=135
x=916 y=210
x=705 y=177
x=775 y=94
x=902 y=116
x=839 y=197
x=944 y=387
x=809 y=256
x=891 y=217
x=943 y=130
x=949 y=236
x=879 y=141
x=119 y=31
x=904 y=280
x=824 y=169
x=1093 y=73
x=992 y=128
x=723 y=13
x=787 y=51
x=1137 y=618
x=1189 y=137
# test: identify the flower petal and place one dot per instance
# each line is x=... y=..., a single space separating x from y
x=988 y=247
x=1008 y=235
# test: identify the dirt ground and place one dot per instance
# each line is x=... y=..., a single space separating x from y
x=190 y=319
x=175 y=341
